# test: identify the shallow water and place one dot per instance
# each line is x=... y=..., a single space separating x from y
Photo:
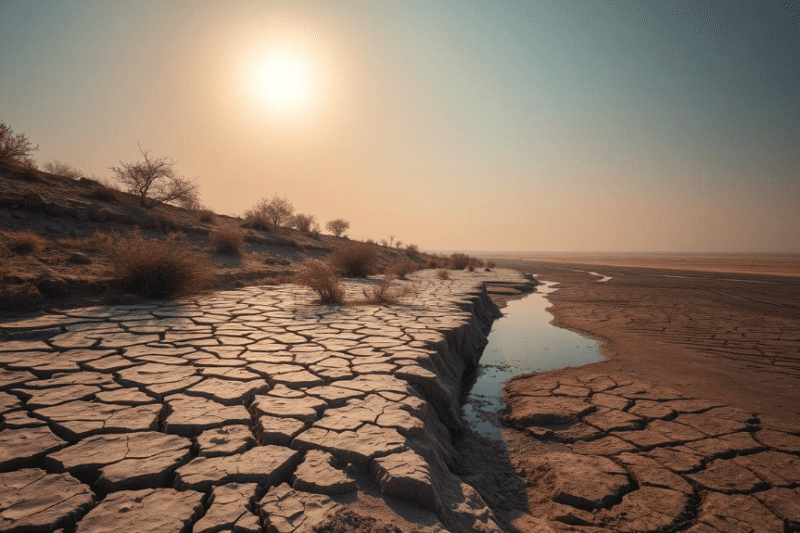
x=521 y=341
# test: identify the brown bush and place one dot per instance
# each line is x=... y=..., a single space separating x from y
x=207 y=215
x=403 y=267
x=160 y=268
x=322 y=278
x=354 y=260
x=491 y=264
x=442 y=273
x=228 y=241
x=23 y=242
x=19 y=296
x=459 y=261
x=384 y=294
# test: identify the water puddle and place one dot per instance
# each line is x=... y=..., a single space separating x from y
x=521 y=341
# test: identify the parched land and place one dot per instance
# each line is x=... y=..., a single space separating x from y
x=692 y=423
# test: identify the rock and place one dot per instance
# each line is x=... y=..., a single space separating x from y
x=720 y=513
x=19 y=447
x=265 y=465
x=50 y=286
x=318 y=474
x=80 y=259
x=33 y=500
x=228 y=510
x=227 y=440
x=130 y=461
x=406 y=475
x=192 y=415
x=144 y=511
x=286 y=510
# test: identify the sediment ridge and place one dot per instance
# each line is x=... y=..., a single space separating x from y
x=248 y=410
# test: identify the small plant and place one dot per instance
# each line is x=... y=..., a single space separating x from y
x=160 y=268
x=59 y=168
x=207 y=215
x=459 y=261
x=338 y=227
x=384 y=294
x=23 y=242
x=442 y=273
x=322 y=278
x=228 y=241
x=403 y=267
x=354 y=260
x=304 y=223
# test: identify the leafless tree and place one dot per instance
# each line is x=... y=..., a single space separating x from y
x=155 y=182
x=338 y=227
x=15 y=149
x=276 y=211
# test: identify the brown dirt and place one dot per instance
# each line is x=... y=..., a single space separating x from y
x=724 y=330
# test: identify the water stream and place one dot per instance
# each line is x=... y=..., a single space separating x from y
x=521 y=341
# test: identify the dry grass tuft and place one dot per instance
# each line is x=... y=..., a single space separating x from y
x=322 y=278
x=19 y=296
x=459 y=261
x=160 y=268
x=207 y=215
x=23 y=242
x=385 y=294
x=403 y=267
x=228 y=241
x=355 y=260
x=442 y=273
x=97 y=242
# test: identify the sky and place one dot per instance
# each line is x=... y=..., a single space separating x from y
x=539 y=125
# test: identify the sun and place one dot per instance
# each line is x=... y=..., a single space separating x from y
x=283 y=81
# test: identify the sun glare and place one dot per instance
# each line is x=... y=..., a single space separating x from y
x=282 y=81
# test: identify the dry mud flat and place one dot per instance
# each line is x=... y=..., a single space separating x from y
x=249 y=410
x=692 y=423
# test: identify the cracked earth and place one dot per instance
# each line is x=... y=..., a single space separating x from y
x=248 y=410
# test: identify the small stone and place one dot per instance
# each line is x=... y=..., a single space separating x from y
x=80 y=259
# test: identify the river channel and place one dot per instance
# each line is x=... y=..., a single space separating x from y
x=521 y=341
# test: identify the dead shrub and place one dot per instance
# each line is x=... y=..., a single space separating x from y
x=491 y=264
x=97 y=242
x=459 y=261
x=322 y=278
x=19 y=296
x=160 y=268
x=354 y=260
x=23 y=242
x=384 y=294
x=207 y=215
x=403 y=267
x=228 y=241
x=442 y=273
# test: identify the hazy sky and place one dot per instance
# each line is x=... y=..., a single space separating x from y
x=544 y=125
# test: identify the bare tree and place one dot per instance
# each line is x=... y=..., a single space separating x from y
x=276 y=211
x=15 y=149
x=338 y=226
x=391 y=240
x=155 y=182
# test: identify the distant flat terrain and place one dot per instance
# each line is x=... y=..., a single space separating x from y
x=756 y=264
x=723 y=327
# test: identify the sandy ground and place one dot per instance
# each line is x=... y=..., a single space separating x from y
x=724 y=335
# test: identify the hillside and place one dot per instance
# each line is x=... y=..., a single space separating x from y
x=80 y=226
